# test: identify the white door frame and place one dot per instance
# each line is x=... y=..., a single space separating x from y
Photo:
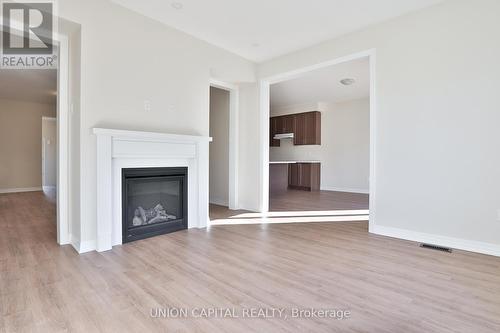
x=54 y=119
x=264 y=97
x=233 y=138
x=63 y=228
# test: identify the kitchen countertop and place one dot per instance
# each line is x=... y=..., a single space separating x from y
x=292 y=162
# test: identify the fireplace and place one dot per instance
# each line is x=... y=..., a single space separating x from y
x=154 y=202
x=122 y=149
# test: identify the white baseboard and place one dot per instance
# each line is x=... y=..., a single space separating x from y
x=19 y=190
x=454 y=243
x=83 y=247
x=87 y=246
x=76 y=245
x=345 y=189
x=247 y=207
x=220 y=202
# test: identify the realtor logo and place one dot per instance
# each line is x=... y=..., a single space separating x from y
x=27 y=28
x=28 y=34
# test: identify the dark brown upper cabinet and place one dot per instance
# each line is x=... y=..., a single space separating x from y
x=306 y=128
x=283 y=124
x=288 y=124
x=273 y=129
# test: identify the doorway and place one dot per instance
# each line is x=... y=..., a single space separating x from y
x=49 y=156
x=294 y=157
x=219 y=147
x=28 y=146
x=58 y=93
x=223 y=155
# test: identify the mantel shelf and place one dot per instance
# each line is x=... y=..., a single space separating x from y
x=127 y=134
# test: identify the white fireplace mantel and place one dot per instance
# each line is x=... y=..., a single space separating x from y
x=119 y=149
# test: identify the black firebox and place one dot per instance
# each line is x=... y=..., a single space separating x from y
x=154 y=202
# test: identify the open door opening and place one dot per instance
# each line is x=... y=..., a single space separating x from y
x=319 y=138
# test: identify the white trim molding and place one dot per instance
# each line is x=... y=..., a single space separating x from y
x=119 y=149
x=82 y=247
x=63 y=128
x=451 y=242
x=20 y=190
x=49 y=118
x=345 y=189
x=49 y=188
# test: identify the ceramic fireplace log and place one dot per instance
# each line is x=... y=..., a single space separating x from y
x=153 y=215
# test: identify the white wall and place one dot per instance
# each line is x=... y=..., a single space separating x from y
x=49 y=152
x=21 y=143
x=344 y=152
x=437 y=81
x=437 y=137
x=219 y=147
x=126 y=59
x=249 y=157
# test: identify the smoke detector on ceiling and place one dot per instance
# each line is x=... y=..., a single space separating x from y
x=347 y=81
x=177 y=5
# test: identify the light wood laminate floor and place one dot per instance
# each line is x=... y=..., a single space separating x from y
x=296 y=200
x=388 y=285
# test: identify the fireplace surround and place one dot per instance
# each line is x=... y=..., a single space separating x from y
x=123 y=149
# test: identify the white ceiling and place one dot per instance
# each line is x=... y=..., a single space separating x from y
x=263 y=29
x=29 y=85
x=323 y=85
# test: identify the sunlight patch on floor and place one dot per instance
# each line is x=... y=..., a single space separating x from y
x=303 y=213
x=291 y=219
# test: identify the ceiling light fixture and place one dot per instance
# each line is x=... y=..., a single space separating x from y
x=177 y=5
x=347 y=81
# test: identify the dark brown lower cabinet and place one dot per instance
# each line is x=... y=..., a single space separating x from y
x=304 y=176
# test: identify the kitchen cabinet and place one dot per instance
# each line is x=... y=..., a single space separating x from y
x=306 y=128
x=273 y=130
x=283 y=124
x=278 y=177
x=287 y=124
x=304 y=176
